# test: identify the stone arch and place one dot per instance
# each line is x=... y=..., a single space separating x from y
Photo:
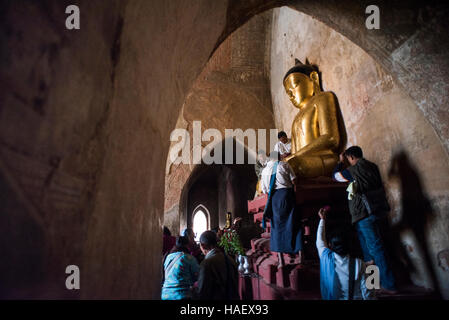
x=193 y=177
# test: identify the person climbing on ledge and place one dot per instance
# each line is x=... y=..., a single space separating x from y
x=278 y=181
x=283 y=146
x=342 y=277
x=368 y=207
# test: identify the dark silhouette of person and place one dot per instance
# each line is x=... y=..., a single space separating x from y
x=417 y=211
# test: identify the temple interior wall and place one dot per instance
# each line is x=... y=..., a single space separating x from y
x=232 y=92
x=85 y=121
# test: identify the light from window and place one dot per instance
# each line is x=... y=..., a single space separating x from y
x=199 y=224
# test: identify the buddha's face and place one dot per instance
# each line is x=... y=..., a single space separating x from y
x=298 y=87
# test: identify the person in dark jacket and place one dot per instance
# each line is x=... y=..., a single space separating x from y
x=168 y=241
x=368 y=207
x=218 y=278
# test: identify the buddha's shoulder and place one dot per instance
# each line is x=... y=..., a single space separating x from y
x=324 y=96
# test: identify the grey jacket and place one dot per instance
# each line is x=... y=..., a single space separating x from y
x=258 y=167
x=218 y=279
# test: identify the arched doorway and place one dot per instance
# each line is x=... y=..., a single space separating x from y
x=200 y=221
x=220 y=188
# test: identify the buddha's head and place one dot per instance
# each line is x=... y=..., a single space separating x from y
x=301 y=82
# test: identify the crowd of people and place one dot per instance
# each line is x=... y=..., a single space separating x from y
x=206 y=272
x=203 y=271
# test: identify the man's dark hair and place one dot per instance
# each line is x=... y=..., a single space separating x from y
x=282 y=134
x=181 y=245
x=354 y=151
x=208 y=239
x=182 y=241
x=339 y=243
x=167 y=231
x=188 y=232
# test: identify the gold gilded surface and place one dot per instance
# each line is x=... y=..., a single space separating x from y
x=315 y=133
x=259 y=188
x=228 y=220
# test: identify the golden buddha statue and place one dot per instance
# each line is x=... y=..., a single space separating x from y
x=228 y=220
x=315 y=134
